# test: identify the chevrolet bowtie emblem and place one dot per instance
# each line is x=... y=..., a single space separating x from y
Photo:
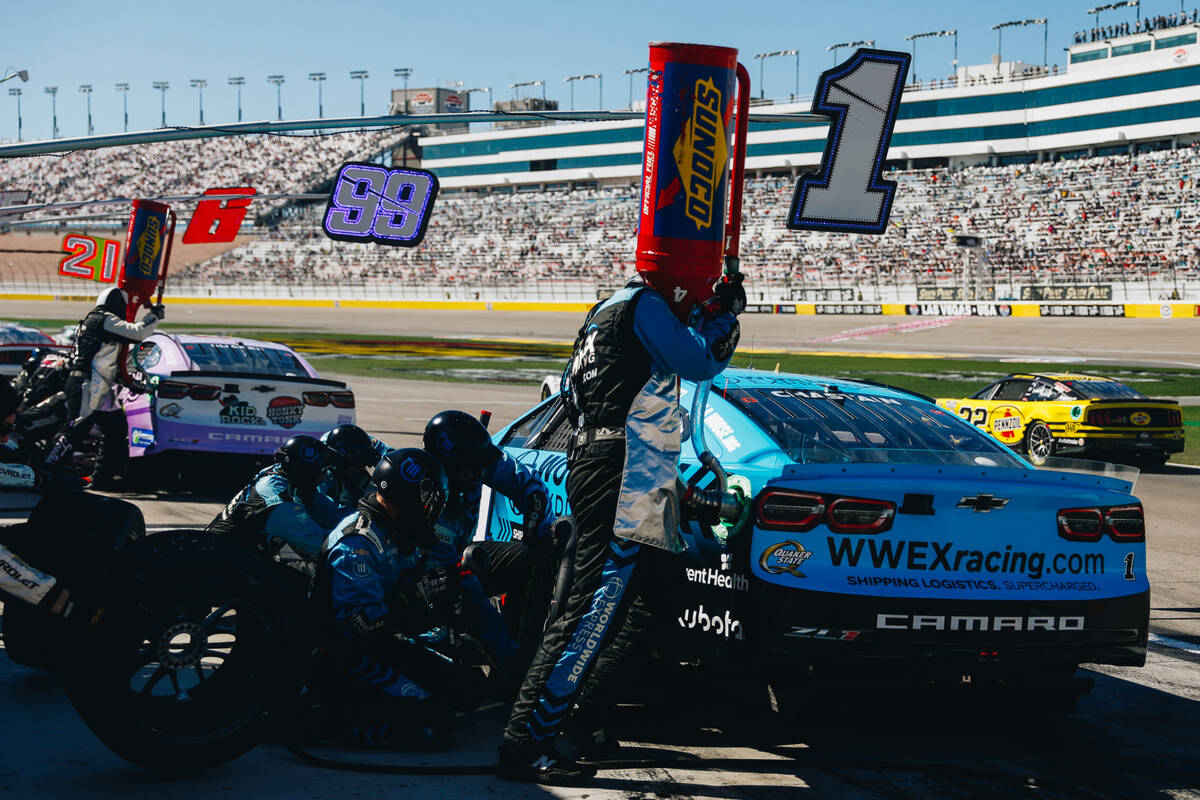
x=983 y=502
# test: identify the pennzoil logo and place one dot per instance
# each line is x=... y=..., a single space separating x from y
x=701 y=153
x=148 y=245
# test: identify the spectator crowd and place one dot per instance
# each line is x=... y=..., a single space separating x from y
x=1147 y=25
x=1102 y=219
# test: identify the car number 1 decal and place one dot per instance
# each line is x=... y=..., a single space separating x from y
x=861 y=98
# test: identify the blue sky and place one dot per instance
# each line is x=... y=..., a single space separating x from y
x=480 y=43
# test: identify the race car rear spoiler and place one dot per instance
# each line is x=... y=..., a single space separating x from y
x=258 y=376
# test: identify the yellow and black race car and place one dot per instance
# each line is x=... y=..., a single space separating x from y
x=1074 y=415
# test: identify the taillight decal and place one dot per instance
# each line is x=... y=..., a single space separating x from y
x=1120 y=523
x=869 y=516
x=342 y=399
x=791 y=511
x=316 y=398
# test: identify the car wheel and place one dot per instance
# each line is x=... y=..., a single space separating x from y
x=545 y=392
x=1038 y=443
x=194 y=665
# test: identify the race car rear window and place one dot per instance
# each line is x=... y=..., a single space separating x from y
x=1105 y=390
x=243 y=358
x=23 y=336
x=822 y=426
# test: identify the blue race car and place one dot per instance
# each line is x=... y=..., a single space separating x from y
x=884 y=530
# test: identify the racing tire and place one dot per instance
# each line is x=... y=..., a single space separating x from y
x=68 y=535
x=198 y=661
x=1038 y=443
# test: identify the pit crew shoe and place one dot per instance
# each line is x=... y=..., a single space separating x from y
x=591 y=746
x=540 y=764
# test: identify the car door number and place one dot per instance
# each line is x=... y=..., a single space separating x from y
x=976 y=416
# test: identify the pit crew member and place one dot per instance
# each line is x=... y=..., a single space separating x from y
x=520 y=570
x=370 y=593
x=348 y=481
x=282 y=506
x=89 y=387
x=621 y=390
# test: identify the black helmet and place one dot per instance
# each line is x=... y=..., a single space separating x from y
x=303 y=459
x=413 y=481
x=459 y=441
x=353 y=444
x=35 y=358
x=113 y=299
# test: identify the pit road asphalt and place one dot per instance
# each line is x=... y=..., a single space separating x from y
x=1136 y=735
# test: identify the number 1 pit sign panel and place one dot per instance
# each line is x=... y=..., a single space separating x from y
x=860 y=97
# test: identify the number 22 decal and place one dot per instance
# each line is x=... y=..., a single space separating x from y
x=979 y=415
x=861 y=98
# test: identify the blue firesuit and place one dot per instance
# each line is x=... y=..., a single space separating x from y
x=268 y=513
x=455 y=529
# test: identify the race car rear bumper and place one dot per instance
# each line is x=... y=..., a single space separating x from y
x=1090 y=446
x=949 y=634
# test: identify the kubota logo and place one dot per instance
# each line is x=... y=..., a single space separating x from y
x=701 y=153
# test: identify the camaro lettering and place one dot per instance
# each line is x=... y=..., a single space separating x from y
x=938 y=622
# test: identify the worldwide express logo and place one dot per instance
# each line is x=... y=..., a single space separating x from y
x=701 y=153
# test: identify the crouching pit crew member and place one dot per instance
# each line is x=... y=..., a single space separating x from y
x=520 y=570
x=348 y=481
x=621 y=391
x=370 y=596
x=282 y=506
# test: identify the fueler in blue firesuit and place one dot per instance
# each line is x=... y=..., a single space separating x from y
x=19 y=579
x=91 y=399
x=282 y=505
x=622 y=392
x=371 y=594
x=348 y=481
x=520 y=570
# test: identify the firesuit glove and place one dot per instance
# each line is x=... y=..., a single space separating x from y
x=731 y=294
x=535 y=515
x=160 y=312
x=434 y=585
x=723 y=348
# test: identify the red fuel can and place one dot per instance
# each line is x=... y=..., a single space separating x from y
x=147 y=252
x=686 y=186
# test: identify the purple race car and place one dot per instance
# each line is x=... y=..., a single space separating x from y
x=217 y=394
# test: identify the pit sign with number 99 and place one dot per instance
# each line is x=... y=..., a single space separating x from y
x=372 y=203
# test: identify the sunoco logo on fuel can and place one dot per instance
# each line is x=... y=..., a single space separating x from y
x=696 y=108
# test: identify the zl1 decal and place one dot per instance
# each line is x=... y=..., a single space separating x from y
x=861 y=98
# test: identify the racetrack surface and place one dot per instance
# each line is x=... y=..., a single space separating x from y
x=1136 y=735
x=1150 y=342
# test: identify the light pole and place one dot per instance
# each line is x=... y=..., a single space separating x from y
x=596 y=77
x=239 y=82
x=86 y=89
x=53 y=92
x=762 y=59
x=487 y=89
x=199 y=84
x=162 y=86
x=835 y=47
x=361 y=76
x=11 y=73
x=515 y=86
x=16 y=92
x=999 y=29
x=278 y=80
x=404 y=72
x=318 y=78
x=631 y=73
x=931 y=35
x=123 y=88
